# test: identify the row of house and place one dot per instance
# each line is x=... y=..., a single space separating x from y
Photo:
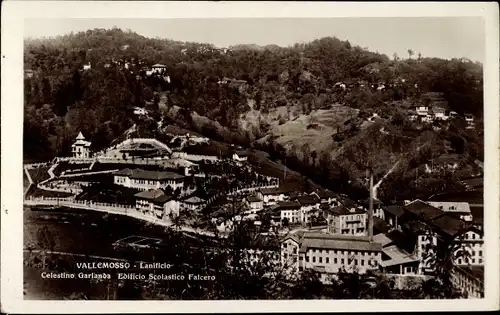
x=430 y=114
x=402 y=249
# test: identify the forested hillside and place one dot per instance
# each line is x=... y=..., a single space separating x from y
x=292 y=102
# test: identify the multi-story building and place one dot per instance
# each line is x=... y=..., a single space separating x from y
x=434 y=228
x=156 y=203
x=254 y=203
x=147 y=180
x=329 y=253
x=289 y=210
x=422 y=110
x=345 y=221
x=309 y=205
x=194 y=203
x=271 y=196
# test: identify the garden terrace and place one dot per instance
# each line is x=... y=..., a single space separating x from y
x=36 y=192
x=118 y=166
x=73 y=168
x=39 y=174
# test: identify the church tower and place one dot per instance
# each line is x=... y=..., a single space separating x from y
x=81 y=148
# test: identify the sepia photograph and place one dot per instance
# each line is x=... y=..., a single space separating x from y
x=254 y=158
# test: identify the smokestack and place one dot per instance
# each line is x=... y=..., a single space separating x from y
x=370 y=209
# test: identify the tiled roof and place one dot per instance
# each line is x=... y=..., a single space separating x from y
x=288 y=205
x=459 y=207
x=423 y=210
x=157 y=196
x=450 y=225
x=324 y=194
x=308 y=200
x=382 y=239
x=334 y=241
x=124 y=172
x=395 y=210
x=341 y=210
x=194 y=200
x=151 y=175
x=252 y=198
x=274 y=190
x=398 y=256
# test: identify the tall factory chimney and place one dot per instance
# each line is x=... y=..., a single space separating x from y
x=370 y=208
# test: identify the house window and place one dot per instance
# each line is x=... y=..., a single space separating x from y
x=334 y=260
x=342 y=261
x=473 y=236
x=300 y=268
x=480 y=260
x=481 y=253
x=307 y=258
x=362 y=262
x=301 y=258
x=314 y=259
x=320 y=260
x=327 y=260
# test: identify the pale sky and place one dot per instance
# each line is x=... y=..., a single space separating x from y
x=443 y=37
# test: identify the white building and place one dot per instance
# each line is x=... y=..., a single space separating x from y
x=422 y=110
x=240 y=157
x=194 y=203
x=462 y=209
x=347 y=221
x=158 y=68
x=289 y=210
x=152 y=202
x=254 y=203
x=87 y=67
x=147 y=180
x=330 y=254
x=81 y=148
x=271 y=196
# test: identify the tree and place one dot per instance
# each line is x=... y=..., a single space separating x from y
x=410 y=53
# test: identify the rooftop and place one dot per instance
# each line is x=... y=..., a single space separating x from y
x=157 y=196
x=423 y=210
x=450 y=225
x=288 y=205
x=274 y=190
x=395 y=210
x=382 y=239
x=335 y=241
x=307 y=200
x=194 y=200
x=252 y=198
x=341 y=210
x=461 y=207
x=150 y=175
x=397 y=256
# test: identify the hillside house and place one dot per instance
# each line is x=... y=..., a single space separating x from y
x=148 y=180
x=325 y=196
x=272 y=196
x=28 y=73
x=328 y=254
x=194 y=203
x=422 y=110
x=254 y=203
x=158 y=68
x=87 y=67
x=240 y=156
x=345 y=221
x=81 y=148
x=439 y=113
